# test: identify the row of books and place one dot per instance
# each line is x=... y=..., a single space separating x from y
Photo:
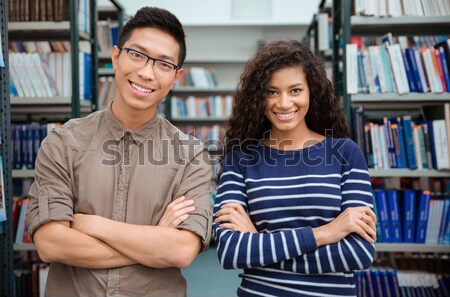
x=48 y=11
x=199 y=77
x=396 y=8
x=412 y=216
x=25 y=142
x=396 y=68
x=30 y=282
x=212 y=106
x=107 y=34
x=399 y=283
x=212 y=136
x=47 y=73
x=399 y=142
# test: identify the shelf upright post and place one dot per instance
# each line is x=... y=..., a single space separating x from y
x=6 y=247
x=74 y=48
x=94 y=55
x=346 y=26
x=120 y=13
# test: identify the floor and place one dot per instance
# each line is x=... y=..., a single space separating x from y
x=206 y=278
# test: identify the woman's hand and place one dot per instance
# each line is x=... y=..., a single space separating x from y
x=176 y=212
x=360 y=220
x=233 y=216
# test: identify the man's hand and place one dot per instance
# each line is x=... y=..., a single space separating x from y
x=176 y=212
x=233 y=216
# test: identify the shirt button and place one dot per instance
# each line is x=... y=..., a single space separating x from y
x=112 y=292
x=42 y=191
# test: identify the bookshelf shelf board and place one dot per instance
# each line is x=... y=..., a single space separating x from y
x=104 y=55
x=403 y=172
x=105 y=72
x=24 y=247
x=218 y=89
x=412 y=247
x=23 y=173
x=395 y=98
x=413 y=24
x=46 y=30
x=15 y=101
x=198 y=119
x=51 y=108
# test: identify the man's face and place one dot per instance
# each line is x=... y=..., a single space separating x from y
x=141 y=86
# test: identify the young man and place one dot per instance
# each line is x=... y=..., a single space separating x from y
x=103 y=207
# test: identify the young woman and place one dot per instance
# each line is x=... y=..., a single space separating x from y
x=293 y=206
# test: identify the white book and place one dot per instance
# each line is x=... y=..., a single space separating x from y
x=36 y=78
x=416 y=140
x=44 y=78
x=447 y=125
x=323 y=31
x=190 y=106
x=15 y=76
x=434 y=80
x=375 y=145
x=228 y=105
x=430 y=223
x=43 y=274
x=24 y=76
x=394 y=8
x=419 y=8
x=383 y=147
x=351 y=56
x=426 y=7
x=360 y=7
x=419 y=63
x=382 y=8
x=218 y=112
x=406 y=7
x=375 y=54
x=398 y=68
x=441 y=144
x=369 y=73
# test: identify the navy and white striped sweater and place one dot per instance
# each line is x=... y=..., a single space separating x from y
x=287 y=193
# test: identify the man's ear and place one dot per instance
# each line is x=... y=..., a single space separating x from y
x=179 y=75
x=115 y=52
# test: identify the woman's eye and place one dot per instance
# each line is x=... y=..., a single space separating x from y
x=296 y=91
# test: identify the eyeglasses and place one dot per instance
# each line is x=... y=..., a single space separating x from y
x=141 y=59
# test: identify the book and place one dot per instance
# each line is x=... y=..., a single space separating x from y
x=422 y=215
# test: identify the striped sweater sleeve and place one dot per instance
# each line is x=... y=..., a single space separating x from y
x=352 y=252
x=237 y=250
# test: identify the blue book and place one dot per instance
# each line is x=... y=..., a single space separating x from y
x=393 y=283
x=394 y=215
x=409 y=211
x=384 y=283
x=378 y=224
x=386 y=69
x=368 y=280
x=376 y=282
x=409 y=141
x=432 y=145
x=410 y=55
x=445 y=67
x=422 y=216
x=446 y=236
x=444 y=220
x=409 y=75
x=383 y=212
x=87 y=76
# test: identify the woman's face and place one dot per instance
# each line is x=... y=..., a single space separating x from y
x=287 y=102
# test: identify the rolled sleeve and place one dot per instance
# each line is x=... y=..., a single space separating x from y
x=196 y=185
x=51 y=197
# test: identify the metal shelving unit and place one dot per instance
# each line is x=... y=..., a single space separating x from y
x=67 y=30
x=6 y=249
x=404 y=172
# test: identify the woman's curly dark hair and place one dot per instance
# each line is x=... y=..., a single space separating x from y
x=248 y=124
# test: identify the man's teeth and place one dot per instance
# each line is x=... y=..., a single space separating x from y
x=285 y=115
x=140 y=89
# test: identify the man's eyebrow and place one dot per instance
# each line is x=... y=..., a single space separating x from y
x=143 y=49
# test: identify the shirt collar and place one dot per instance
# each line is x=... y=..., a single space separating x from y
x=118 y=131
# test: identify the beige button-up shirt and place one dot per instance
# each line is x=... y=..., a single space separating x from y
x=95 y=166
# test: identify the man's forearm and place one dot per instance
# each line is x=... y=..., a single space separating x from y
x=153 y=246
x=57 y=242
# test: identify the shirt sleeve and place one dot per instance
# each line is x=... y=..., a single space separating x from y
x=51 y=197
x=352 y=252
x=237 y=250
x=196 y=185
